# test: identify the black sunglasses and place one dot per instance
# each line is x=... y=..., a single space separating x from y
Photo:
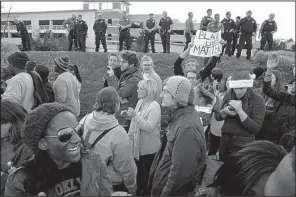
x=64 y=135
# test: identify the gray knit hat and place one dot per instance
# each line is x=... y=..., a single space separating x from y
x=37 y=121
x=62 y=62
x=180 y=89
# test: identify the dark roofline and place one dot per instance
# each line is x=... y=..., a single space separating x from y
x=53 y=11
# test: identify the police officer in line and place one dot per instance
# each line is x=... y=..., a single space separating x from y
x=100 y=28
x=81 y=33
x=268 y=28
x=165 y=26
x=22 y=30
x=150 y=28
x=229 y=28
x=206 y=20
x=235 y=34
x=189 y=29
x=247 y=28
x=71 y=25
x=124 y=31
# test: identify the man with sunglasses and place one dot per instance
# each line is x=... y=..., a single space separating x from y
x=227 y=35
x=61 y=165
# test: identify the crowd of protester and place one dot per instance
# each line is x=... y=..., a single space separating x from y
x=244 y=121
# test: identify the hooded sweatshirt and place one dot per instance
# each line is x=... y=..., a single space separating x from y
x=114 y=148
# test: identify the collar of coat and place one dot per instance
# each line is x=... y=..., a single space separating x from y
x=180 y=112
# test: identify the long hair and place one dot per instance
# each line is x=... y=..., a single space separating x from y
x=76 y=71
x=14 y=113
x=245 y=167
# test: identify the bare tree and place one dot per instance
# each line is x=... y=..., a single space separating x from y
x=7 y=16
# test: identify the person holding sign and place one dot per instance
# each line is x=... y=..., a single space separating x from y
x=248 y=28
x=229 y=27
x=165 y=25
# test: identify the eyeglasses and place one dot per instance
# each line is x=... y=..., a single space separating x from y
x=65 y=134
x=123 y=61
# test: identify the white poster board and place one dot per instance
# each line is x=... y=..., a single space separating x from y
x=206 y=44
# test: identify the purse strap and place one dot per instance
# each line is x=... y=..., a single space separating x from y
x=101 y=136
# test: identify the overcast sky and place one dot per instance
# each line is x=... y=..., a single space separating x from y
x=284 y=11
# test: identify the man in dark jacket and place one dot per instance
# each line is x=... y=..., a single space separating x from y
x=21 y=29
x=100 y=28
x=247 y=28
x=81 y=33
x=127 y=85
x=149 y=27
x=165 y=30
x=268 y=28
x=61 y=166
x=229 y=27
x=235 y=34
x=71 y=25
x=178 y=166
x=43 y=72
x=124 y=31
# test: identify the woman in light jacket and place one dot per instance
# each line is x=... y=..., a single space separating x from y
x=144 y=131
x=147 y=67
x=114 y=146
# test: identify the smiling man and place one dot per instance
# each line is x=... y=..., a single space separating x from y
x=61 y=166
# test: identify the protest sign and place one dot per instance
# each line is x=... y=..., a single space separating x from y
x=206 y=44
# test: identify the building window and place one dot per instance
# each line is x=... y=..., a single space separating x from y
x=109 y=22
x=109 y=37
x=106 y=5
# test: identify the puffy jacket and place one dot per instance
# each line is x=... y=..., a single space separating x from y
x=178 y=166
x=95 y=179
x=114 y=148
x=127 y=87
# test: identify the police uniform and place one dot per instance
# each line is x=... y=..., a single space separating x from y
x=150 y=24
x=81 y=34
x=266 y=35
x=124 y=34
x=21 y=28
x=205 y=22
x=235 y=38
x=165 y=36
x=227 y=35
x=246 y=27
x=100 y=28
x=72 y=26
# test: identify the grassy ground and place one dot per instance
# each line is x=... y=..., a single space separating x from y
x=93 y=66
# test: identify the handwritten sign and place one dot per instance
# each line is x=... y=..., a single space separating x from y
x=206 y=44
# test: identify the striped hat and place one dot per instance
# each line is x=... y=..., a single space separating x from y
x=62 y=62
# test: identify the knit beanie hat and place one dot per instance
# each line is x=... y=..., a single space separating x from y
x=241 y=78
x=37 y=121
x=43 y=71
x=62 y=62
x=18 y=59
x=180 y=89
